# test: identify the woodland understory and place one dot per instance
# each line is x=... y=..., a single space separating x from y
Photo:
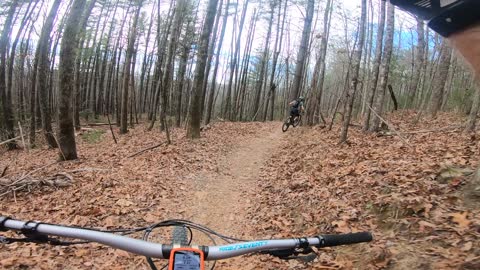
x=123 y=113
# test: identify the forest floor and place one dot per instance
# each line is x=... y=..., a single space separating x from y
x=251 y=181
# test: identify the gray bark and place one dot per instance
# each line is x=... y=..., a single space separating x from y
x=356 y=67
x=302 y=52
x=385 y=67
x=193 y=130
x=66 y=131
x=376 y=65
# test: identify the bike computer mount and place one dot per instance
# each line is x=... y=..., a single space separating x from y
x=186 y=259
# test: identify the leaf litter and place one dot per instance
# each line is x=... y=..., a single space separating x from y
x=309 y=186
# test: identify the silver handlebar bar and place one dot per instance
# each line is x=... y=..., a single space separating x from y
x=161 y=251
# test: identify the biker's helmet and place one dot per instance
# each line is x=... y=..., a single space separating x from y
x=301 y=98
x=443 y=16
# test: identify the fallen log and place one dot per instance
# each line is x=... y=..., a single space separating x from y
x=146 y=149
x=27 y=183
x=391 y=126
x=10 y=140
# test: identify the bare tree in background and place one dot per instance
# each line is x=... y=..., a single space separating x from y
x=302 y=51
x=66 y=130
x=356 y=67
x=43 y=67
x=419 y=57
x=440 y=79
x=4 y=96
x=376 y=64
x=193 y=130
x=127 y=69
x=385 y=68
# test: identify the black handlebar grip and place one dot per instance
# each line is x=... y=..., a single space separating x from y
x=331 y=240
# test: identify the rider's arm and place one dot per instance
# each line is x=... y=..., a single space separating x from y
x=291 y=103
x=458 y=20
x=468 y=44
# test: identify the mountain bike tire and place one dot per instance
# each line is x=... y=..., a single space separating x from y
x=180 y=236
x=297 y=121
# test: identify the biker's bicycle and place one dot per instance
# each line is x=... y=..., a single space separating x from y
x=291 y=121
x=180 y=253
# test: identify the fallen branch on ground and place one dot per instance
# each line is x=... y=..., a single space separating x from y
x=27 y=183
x=98 y=124
x=88 y=170
x=390 y=126
x=4 y=171
x=10 y=140
x=146 y=149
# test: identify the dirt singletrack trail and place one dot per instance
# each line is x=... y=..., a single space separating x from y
x=221 y=198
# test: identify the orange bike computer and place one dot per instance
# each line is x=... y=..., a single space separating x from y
x=186 y=259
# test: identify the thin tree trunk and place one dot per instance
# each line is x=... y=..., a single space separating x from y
x=376 y=65
x=385 y=67
x=193 y=130
x=263 y=62
x=217 y=62
x=6 y=102
x=211 y=52
x=319 y=74
x=43 y=68
x=233 y=64
x=440 y=79
x=66 y=132
x=302 y=52
x=356 y=66
x=420 y=50
x=472 y=119
x=127 y=69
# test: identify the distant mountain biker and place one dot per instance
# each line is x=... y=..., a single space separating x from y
x=296 y=107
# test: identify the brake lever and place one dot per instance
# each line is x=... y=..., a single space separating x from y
x=290 y=254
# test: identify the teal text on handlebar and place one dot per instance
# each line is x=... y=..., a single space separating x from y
x=243 y=246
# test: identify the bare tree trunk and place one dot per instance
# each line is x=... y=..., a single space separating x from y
x=6 y=102
x=66 y=132
x=245 y=66
x=263 y=61
x=211 y=50
x=43 y=67
x=472 y=119
x=126 y=73
x=180 y=10
x=193 y=130
x=233 y=64
x=319 y=73
x=103 y=66
x=356 y=66
x=217 y=62
x=440 y=79
x=385 y=67
x=143 y=87
x=162 y=41
x=376 y=65
x=273 y=87
x=33 y=99
x=302 y=51
x=420 y=51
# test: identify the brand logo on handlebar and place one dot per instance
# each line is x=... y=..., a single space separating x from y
x=243 y=246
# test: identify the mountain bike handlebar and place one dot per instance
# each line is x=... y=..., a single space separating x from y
x=162 y=251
